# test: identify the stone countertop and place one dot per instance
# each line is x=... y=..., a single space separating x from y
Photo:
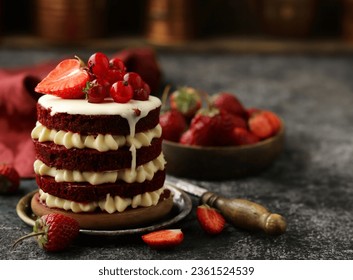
x=310 y=184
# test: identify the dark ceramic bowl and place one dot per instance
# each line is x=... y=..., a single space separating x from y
x=221 y=163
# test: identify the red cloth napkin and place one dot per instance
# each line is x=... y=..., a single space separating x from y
x=18 y=104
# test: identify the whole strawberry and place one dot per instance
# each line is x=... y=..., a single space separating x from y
x=54 y=232
x=230 y=103
x=222 y=128
x=186 y=100
x=173 y=125
x=243 y=136
x=9 y=179
x=201 y=127
x=213 y=127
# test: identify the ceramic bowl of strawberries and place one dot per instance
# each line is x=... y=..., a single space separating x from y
x=219 y=139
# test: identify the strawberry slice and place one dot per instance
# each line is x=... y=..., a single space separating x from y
x=67 y=80
x=210 y=219
x=264 y=124
x=164 y=239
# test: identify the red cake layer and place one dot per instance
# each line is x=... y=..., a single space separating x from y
x=85 y=192
x=95 y=124
x=92 y=160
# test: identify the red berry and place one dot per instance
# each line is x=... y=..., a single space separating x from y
x=186 y=100
x=98 y=63
x=96 y=92
x=264 y=124
x=201 y=126
x=54 y=232
x=141 y=89
x=238 y=121
x=117 y=64
x=222 y=126
x=212 y=127
x=134 y=80
x=242 y=136
x=121 y=92
x=67 y=80
x=173 y=125
x=230 y=103
x=9 y=179
x=142 y=93
x=260 y=126
x=210 y=219
x=164 y=239
x=187 y=138
x=114 y=75
x=274 y=121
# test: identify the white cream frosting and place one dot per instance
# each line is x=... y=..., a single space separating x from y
x=140 y=174
x=110 y=204
x=108 y=107
x=100 y=142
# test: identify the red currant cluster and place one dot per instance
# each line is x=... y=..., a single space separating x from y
x=110 y=78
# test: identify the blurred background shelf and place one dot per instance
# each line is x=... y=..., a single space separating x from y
x=241 y=45
x=244 y=26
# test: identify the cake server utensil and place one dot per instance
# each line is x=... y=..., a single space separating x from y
x=239 y=212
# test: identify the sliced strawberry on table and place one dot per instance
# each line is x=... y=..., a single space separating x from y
x=164 y=239
x=9 y=179
x=210 y=219
x=67 y=80
x=54 y=232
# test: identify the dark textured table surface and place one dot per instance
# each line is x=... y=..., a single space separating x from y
x=310 y=184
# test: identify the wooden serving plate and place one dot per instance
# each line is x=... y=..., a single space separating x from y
x=221 y=163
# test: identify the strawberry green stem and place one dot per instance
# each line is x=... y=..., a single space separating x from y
x=27 y=236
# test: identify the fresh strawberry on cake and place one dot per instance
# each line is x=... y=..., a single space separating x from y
x=98 y=146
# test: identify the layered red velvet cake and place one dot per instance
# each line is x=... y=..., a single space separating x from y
x=101 y=163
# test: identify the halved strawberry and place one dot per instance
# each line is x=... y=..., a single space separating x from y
x=264 y=124
x=274 y=120
x=164 y=239
x=67 y=80
x=210 y=219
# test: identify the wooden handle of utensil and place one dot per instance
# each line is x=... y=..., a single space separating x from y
x=246 y=214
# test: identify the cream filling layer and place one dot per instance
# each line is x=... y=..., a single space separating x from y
x=100 y=142
x=140 y=174
x=110 y=204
